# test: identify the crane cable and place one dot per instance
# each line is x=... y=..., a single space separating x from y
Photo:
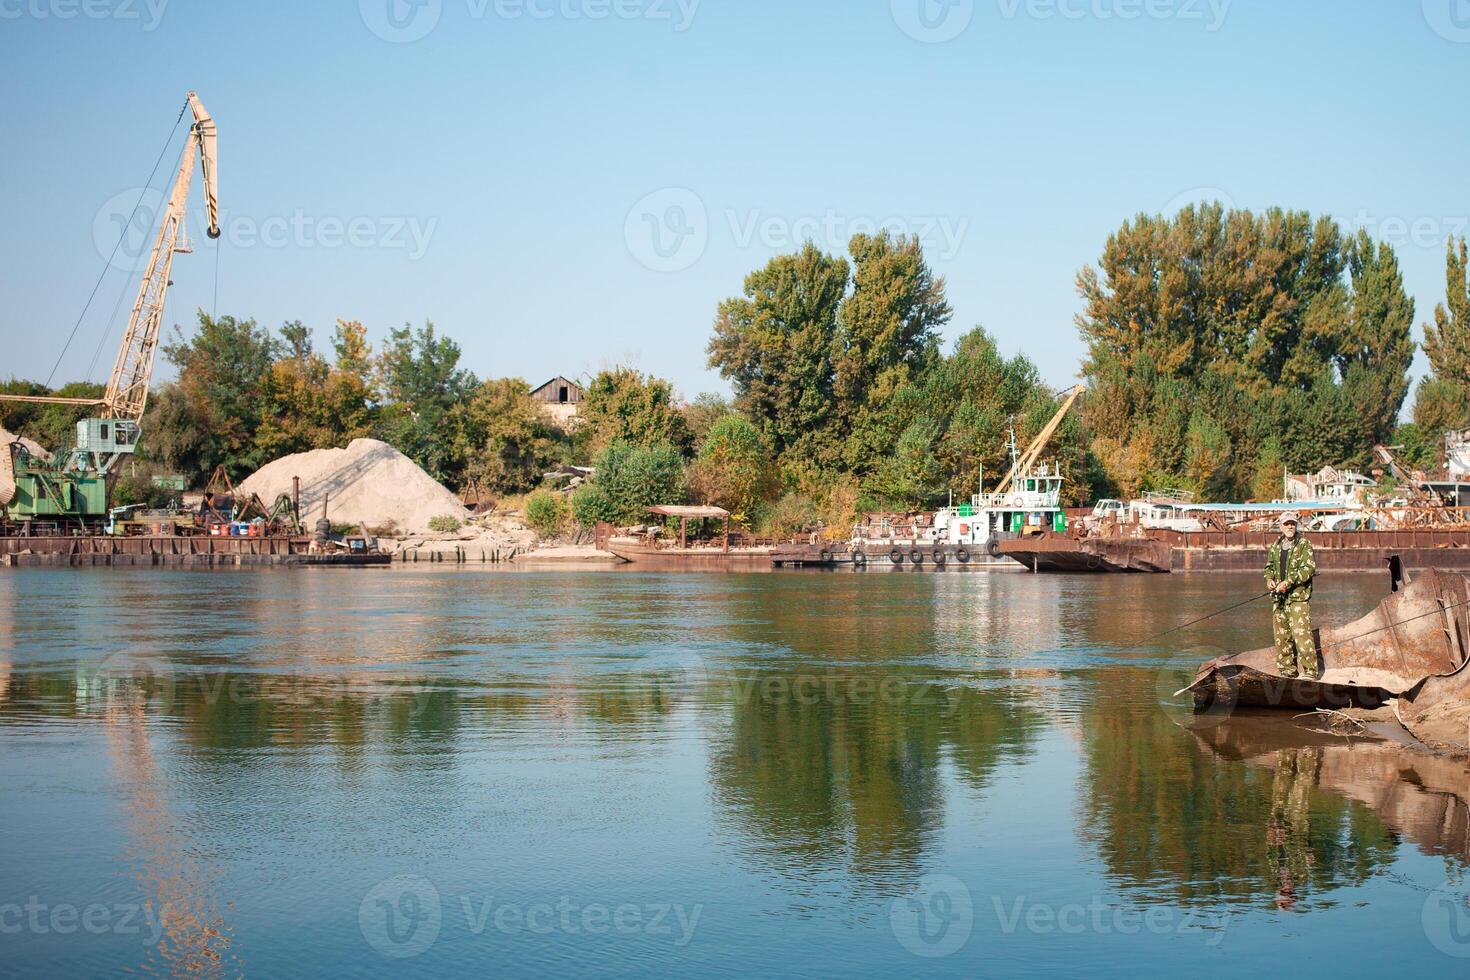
x=106 y=265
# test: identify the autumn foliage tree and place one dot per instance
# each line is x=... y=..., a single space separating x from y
x=1218 y=338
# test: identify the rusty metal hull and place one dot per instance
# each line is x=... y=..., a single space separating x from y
x=932 y=557
x=1231 y=551
x=1411 y=650
x=105 y=550
x=638 y=551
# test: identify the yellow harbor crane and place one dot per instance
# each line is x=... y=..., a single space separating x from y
x=1024 y=463
x=75 y=486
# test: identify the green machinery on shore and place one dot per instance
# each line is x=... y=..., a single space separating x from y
x=73 y=488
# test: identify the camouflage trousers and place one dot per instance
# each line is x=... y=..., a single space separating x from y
x=1295 y=652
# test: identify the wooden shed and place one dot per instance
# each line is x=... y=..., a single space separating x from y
x=558 y=391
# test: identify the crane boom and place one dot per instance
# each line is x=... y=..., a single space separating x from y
x=1028 y=459
x=132 y=371
x=127 y=387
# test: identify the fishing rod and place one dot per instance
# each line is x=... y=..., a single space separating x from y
x=1217 y=612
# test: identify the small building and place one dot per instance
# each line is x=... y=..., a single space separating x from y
x=559 y=398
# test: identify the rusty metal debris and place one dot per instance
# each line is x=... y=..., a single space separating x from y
x=1409 y=654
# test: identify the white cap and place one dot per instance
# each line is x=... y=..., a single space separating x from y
x=1290 y=517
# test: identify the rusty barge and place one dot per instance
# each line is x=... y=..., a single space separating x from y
x=1162 y=551
x=104 y=550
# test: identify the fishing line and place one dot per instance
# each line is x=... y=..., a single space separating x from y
x=1380 y=629
x=1217 y=612
x=108 y=264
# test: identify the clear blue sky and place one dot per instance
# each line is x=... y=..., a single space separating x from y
x=564 y=184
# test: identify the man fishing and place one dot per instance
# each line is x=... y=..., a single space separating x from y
x=1290 y=565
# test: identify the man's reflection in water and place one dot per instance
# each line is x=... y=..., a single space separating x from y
x=1289 y=831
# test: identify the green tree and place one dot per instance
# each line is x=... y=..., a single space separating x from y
x=1212 y=329
x=629 y=480
x=1442 y=401
x=888 y=335
x=1378 y=341
x=702 y=413
x=222 y=373
x=309 y=404
x=53 y=426
x=625 y=405
x=910 y=477
x=775 y=345
x=548 y=513
x=511 y=443
x=734 y=469
x=421 y=384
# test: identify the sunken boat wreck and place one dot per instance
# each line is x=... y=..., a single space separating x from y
x=1402 y=662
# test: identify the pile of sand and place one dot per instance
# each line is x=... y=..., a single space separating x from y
x=369 y=483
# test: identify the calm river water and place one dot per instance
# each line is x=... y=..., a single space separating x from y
x=363 y=772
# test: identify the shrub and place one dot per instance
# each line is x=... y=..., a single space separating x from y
x=547 y=512
x=628 y=480
x=445 y=523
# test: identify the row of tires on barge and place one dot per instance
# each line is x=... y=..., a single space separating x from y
x=895 y=555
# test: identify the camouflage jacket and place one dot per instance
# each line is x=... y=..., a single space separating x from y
x=1301 y=565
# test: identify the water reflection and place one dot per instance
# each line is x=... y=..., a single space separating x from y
x=1421 y=797
x=827 y=736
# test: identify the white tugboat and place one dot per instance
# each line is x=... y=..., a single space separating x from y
x=1028 y=500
